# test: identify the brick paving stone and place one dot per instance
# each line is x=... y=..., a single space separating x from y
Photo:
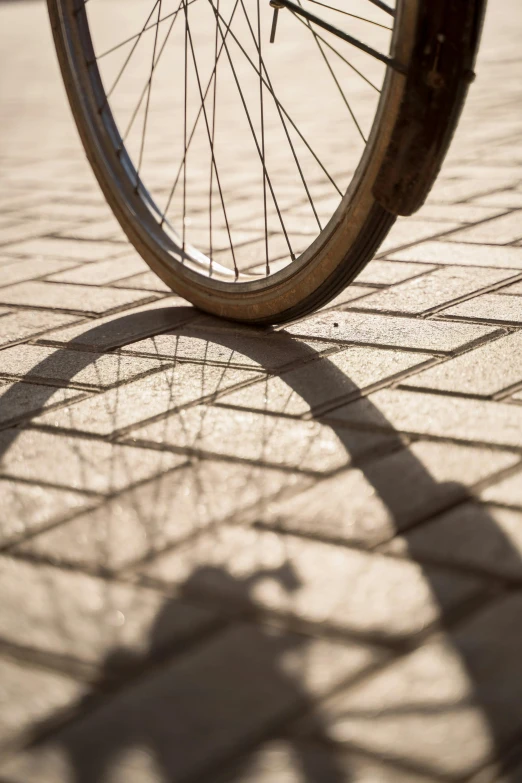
x=66 y=249
x=62 y=296
x=27 y=507
x=507 y=490
x=147 y=519
x=482 y=371
x=156 y=394
x=20 y=400
x=406 y=232
x=288 y=760
x=463 y=213
x=97 y=231
x=70 y=616
x=462 y=254
x=101 y=272
x=387 y=272
x=20 y=270
x=274 y=440
x=366 y=507
x=241 y=349
x=347 y=590
x=499 y=231
x=345 y=374
x=388 y=330
x=472 y=420
x=449 y=707
x=121 y=329
x=30 y=695
x=146 y=281
x=515 y=289
x=433 y=290
x=505 y=198
x=23 y=232
x=94 y=370
x=351 y=293
x=230 y=691
x=451 y=191
x=483 y=538
x=24 y=324
x=489 y=307
x=77 y=462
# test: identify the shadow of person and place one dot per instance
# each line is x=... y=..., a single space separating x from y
x=175 y=728
x=487 y=654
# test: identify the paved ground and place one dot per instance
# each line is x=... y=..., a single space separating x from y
x=232 y=554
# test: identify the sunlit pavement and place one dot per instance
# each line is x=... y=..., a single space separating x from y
x=242 y=555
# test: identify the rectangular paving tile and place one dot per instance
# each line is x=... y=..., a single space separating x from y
x=370 y=505
x=101 y=272
x=22 y=269
x=433 y=290
x=379 y=272
x=489 y=307
x=20 y=711
x=64 y=614
x=230 y=691
x=405 y=232
x=483 y=538
x=515 y=289
x=124 y=328
x=343 y=589
x=266 y=352
x=80 y=463
x=145 y=281
x=344 y=374
x=462 y=254
x=483 y=371
x=431 y=414
x=151 y=517
x=271 y=440
x=62 y=296
x=28 y=507
x=449 y=707
x=20 y=400
x=499 y=231
x=20 y=325
x=156 y=394
x=389 y=330
x=284 y=760
x=508 y=490
x=350 y=294
x=85 y=368
x=462 y=213
x=68 y=249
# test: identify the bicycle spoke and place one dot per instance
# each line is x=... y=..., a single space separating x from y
x=249 y=119
x=285 y=112
x=283 y=123
x=144 y=91
x=211 y=187
x=334 y=77
x=236 y=270
x=338 y=53
x=262 y=118
x=353 y=16
x=300 y=11
x=194 y=126
x=147 y=104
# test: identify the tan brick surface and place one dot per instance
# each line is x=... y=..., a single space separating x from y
x=287 y=555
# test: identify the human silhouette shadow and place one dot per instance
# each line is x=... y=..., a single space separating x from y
x=177 y=722
x=493 y=690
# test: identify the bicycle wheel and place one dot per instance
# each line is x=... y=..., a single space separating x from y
x=255 y=155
